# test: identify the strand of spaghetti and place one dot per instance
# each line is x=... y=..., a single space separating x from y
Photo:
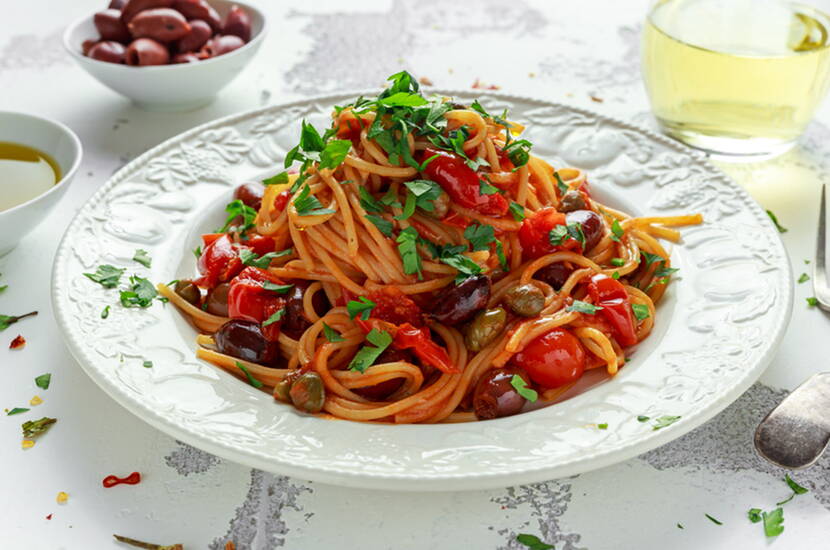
x=492 y=155
x=502 y=224
x=672 y=235
x=202 y=319
x=268 y=376
x=308 y=301
x=563 y=256
x=383 y=249
x=459 y=417
x=522 y=189
x=543 y=180
x=370 y=147
x=331 y=265
x=686 y=219
x=345 y=212
x=598 y=344
x=458 y=117
x=550 y=395
x=358 y=265
x=379 y=169
x=529 y=330
x=637 y=296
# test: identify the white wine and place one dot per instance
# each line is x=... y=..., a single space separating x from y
x=735 y=76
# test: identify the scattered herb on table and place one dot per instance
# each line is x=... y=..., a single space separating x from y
x=774 y=522
x=643 y=418
x=106 y=275
x=797 y=489
x=105 y=312
x=713 y=520
x=43 y=380
x=8 y=320
x=533 y=542
x=33 y=428
x=147 y=545
x=16 y=410
x=754 y=515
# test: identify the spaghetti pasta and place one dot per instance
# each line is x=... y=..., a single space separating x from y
x=423 y=266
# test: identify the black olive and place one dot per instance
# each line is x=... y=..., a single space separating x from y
x=250 y=194
x=495 y=396
x=459 y=303
x=554 y=274
x=591 y=223
x=244 y=340
x=217 y=300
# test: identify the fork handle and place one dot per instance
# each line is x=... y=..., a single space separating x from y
x=796 y=432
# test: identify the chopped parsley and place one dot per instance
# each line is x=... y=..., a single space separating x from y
x=804 y=278
x=485 y=188
x=421 y=194
x=518 y=152
x=651 y=258
x=603 y=426
x=197 y=251
x=251 y=380
x=238 y=209
x=754 y=515
x=778 y=226
x=797 y=489
x=680 y=526
x=275 y=317
x=43 y=380
x=147 y=364
x=773 y=522
x=105 y=312
x=583 y=307
x=560 y=185
x=279 y=289
x=331 y=334
x=367 y=355
x=33 y=428
x=334 y=153
x=281 y=178
x=408 y=250
x=517 y=211
x=384 y=226
x=812 y=301
x=16 y=410
x=643 y=418
x=640 y=311
x=561 y=233
x=616 y=231
x=713 y=520
x=363 y=306
x=465 y=266
x=249 y=257
x=7 y=320
x=615 y=275
x=480 y=236
x=663 y=421
x=140 y=293
x=617 y=262
x=141 y=256
x=3 y=288
x=533 y=542
x=307 y=204
x=521 y=388
x=106 y=275
x=370 y=203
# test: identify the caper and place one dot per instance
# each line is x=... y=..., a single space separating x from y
x=484 y=328
x=525 y=300
x=308 y=393
x=188 y=291
x=572 y=200
x=440 y=207
x=282 y=389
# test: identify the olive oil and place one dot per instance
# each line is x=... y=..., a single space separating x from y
x=735 y=76
x=25 y=173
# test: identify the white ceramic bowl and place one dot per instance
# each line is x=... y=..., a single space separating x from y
x=179 y=87
x=52 y=138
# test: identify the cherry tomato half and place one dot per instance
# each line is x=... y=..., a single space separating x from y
x=553 y=359
x=534 y=235
x=249 y=300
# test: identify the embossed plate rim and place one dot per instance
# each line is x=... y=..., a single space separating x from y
x=436 y=480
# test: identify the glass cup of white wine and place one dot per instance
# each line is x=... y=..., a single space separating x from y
x=737 y=78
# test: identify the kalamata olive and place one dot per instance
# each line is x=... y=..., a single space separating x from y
x=495 y=396
x=441 y=206
x=554 y=274
x=294 y=322
x=109 y=51
x=220 y=45
x=484 y=328
x=379 y=392
x=250 y=193
x=188 y=291
x=161 y=24
x=117 y=4
x=110 y=27
x=199 y=33
x=308 y=392
x=238 y=23
x=572 y=200
x=591 y=223
x=87 y=45
x=525 y=300
x=459 y=303
x=217 y=300
x=146 y=51
x=188 y=57
x=131 y=7
x=198 y=9
x=244 y=340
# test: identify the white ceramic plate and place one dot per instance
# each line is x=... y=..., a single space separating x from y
x=716 y=330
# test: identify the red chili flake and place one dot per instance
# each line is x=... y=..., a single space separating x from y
x=111 y=481
x=49 y=516
x=18 y=342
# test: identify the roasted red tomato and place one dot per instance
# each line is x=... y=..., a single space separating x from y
x=461 y=183
x=420 y=342
x=616 y=307
x=553 y=359
x=219 y=261
x=534 y=235
x=396 y=307
x=248 y=299
x=282 y=200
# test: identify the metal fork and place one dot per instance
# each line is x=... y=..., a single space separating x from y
x=796 y=432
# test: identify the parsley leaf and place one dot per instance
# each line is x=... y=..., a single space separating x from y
x=334 y=154
x=617 y=262
x=643 y=418
x=424 y=193
x=713 y=520
x=249 y=257
x=367 y=355
x=465 y=266
x=616 y=231
x=651 y=258
x=33 y=428
x=518 y=152
x=754 y=515
x=383 y=225
x=43 y=380
x=521 y=388
x=408 y=250
x=583 y=307
x=485 y=188
x=147 y=364
x=561 y=233
x=281 y=178
x=140 y=294
x=235 y=209
x=363 y=306
x=480 y=236
x=251 y=380
x=275 y=317
x=517 y=211
x=501 y=256
x=403 y=99
x=105 y=312
x=197 y=251
x=778 y=226
x=603 y=426
x=804 y=278
x=812 y=301
x=663 y=421
x=3 y=288
x=797 y=489
x=533 y=542
x=142 y=257
x=640 y=311
x=310 y=140
x=279 y=289
x=106 y=275
x=560 y=185
x=16 y=410
x=773 y=522
x=308 y=205
x=368 y=202
x=7 y=320
x=331 y=334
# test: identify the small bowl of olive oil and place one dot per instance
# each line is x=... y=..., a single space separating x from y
x=38 y=159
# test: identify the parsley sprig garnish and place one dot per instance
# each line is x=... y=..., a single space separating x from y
x=8 y=320
x=367 y=355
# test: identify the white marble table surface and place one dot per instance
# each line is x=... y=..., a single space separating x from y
x=563 y=51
